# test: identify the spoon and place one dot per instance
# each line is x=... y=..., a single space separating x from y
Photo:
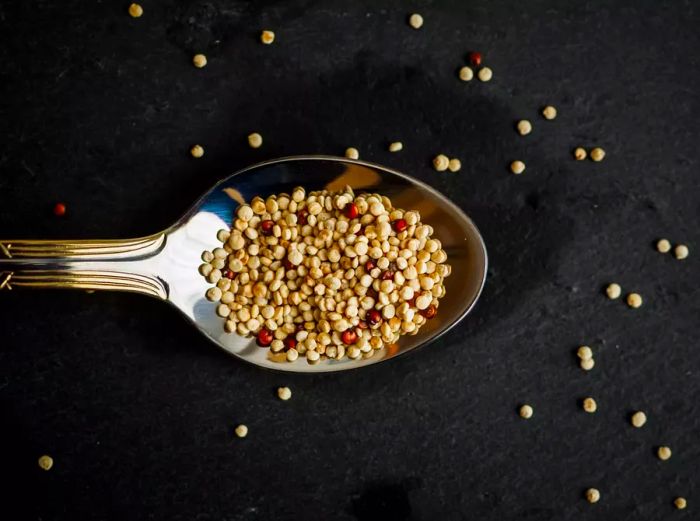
x=164 y=265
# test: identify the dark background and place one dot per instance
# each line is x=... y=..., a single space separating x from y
x=98 y=110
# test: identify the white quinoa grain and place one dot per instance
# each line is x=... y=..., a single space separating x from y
x=135 y=10
x=352 y=153
x=634 y=300
x=592 y=495
x=526 y=412
x=638 y=419
x=292 y=355
x=485 y=74
x=580 y=154
x=241 y=431
x=681 y=251
x=415 y=21
x=680 y=503
x=197 y=151
x=613 y=291
x=589 y=405
x=255 y=140
x=588 y=364
x=284 y=393
x=584 y=353
x=213 y=294
x=199 y=60
x=45 y=462
x=396 y=146
x=663 y=453
x=441 y=163
x=267 y=37
x=455 y=165
x=517 y=167
x=597 y=154
x=663 y=246
x=466 y=73
x=549 y=112
x=524 y=127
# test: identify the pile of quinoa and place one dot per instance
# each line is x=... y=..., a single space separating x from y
x=325 y=274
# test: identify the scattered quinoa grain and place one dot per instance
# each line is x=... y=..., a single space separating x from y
x=587 y=365
x=197 y=151
x=663 y=246
x=680 y=503
x=663 y=453
x=455 y=165
x=638 y=419
x=549 y=112
x=474 y=58
x=524 y=127
x=485 y=74
x=267 y=37
x=59 y=210
x=466 y=73
x=634 y=300
x=526 y=412
x=415 y=21
x=242 y=431
x=352 y=153
x=284 y=393
x=613 y=291
x=135 y=10
x=255 y=140
x=45 y=462
x=199 y=60
x=589 y=405
x=580 y=154
x=441 y=162
x=592 y=495
x=584 y=353
x=681 y=251
x=517 y=167
x=597 y=154
x=396 y=146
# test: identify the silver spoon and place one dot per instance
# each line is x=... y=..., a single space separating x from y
x=164 y=265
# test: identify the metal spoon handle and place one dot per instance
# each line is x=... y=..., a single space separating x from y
x=120 y=265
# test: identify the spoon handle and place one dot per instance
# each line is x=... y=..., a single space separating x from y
x=120 y=265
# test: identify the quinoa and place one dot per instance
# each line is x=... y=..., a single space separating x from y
x=328 y=272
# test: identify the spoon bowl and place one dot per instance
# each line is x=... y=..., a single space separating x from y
x=165 y=265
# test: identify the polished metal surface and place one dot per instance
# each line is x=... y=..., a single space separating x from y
x=164 y=265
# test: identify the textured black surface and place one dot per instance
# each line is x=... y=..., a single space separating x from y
x=137 y=409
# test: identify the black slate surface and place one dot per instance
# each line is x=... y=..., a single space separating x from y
x=99 y=110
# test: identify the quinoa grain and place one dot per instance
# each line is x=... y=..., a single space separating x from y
x=485 y=74
x=587 y=364
x=680 y=503
x=524 y=127
x=352 y=153
x=255 y=140
x=454 y=165
x=466 y=73
x=197 y=151
x=597 y=154
x=284 y=393
x=45 y=462
x=638 y=419
x=663 y=246
x=634 y=300
x=526 y=412
x=199 y=60
x=613 y=291
x=584 y=353
x=592 y=495
x=415 y=21
x=681 y=251
x=589 y=405
x=580 y=154
x=135 y=10
x=517 y=167
x=396 y=146
x=549 y=112
x=663 y=453
x=441 y=163
x=241 y=431
x=267 y=37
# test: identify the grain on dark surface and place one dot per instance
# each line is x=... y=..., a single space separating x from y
x=99 y=111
